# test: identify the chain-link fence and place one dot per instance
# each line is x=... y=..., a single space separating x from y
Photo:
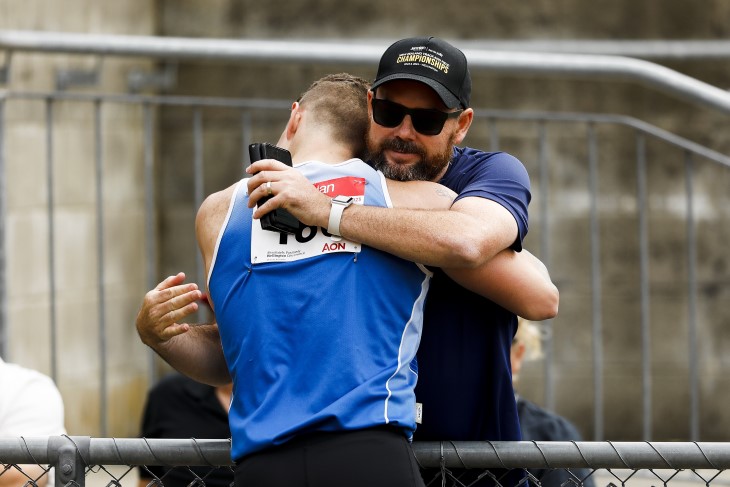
x=78 y=461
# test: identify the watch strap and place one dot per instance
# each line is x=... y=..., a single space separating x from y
x=339 y=203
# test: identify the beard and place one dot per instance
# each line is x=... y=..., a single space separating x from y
x=427 y=168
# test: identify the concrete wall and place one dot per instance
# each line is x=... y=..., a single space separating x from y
x=75 y=220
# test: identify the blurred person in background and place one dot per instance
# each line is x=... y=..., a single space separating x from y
x=30 y=405
x=537 y=423
x=179 y=407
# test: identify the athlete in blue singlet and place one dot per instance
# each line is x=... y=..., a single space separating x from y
x=318 y=332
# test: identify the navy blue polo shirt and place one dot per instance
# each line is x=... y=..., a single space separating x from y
x=464 y=374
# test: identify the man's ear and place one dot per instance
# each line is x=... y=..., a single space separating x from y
x=295 y=117
x=370 y=103
x=463 y=123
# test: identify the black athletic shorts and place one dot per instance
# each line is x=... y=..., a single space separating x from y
x=377 y=457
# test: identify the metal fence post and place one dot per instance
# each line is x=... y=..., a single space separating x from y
x=694 y=381
x=51 y=237
x=596 y=291
x=150 y=218
x=642 y=199
x=69 y=455
x=3 y=297
x=544 y=185
x=99 y=160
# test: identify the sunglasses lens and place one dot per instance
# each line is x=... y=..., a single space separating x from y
x=387 y=114
x=428 y=122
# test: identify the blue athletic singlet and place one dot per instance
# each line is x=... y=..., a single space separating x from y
x=318 y=332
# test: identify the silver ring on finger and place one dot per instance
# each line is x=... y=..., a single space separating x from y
x=268 y=188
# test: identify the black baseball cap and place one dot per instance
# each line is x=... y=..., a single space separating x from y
x=429 y=60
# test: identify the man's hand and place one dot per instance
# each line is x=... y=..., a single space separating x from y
x=289 y=190
x=163 y=307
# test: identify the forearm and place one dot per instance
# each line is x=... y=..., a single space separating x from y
x=194 y=350
x=197 y=353
x=468 y=234
x=519 y=282
x=438 y=238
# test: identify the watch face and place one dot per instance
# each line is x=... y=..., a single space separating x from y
x=343 y=200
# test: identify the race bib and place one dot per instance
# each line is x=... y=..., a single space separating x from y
x=268 y=246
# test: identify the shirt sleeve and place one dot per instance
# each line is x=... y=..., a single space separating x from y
x=36 y=408
x=502 y=178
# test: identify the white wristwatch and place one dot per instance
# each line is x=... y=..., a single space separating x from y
x=339 y=203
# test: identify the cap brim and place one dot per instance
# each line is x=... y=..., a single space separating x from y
x=446 y=96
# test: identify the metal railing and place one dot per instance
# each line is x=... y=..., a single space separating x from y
x=657 y=50
x=541 y=122
x=147 y=104
x=641 y=133
x=602 y=463
x=601 y=67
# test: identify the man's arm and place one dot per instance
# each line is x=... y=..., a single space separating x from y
x=194 y=350
x=467 y=235
x=517 y=281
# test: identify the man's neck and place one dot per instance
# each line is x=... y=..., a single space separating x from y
x=441 y=174
x=322 y=153
x=315 y=143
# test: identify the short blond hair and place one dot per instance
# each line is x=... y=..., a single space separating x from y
x=529 y=334
x=339 y=101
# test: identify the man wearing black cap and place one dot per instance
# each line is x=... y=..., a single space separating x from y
x=464 y=381
x=419 y=108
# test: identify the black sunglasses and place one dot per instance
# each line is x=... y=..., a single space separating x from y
x=426 y=121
